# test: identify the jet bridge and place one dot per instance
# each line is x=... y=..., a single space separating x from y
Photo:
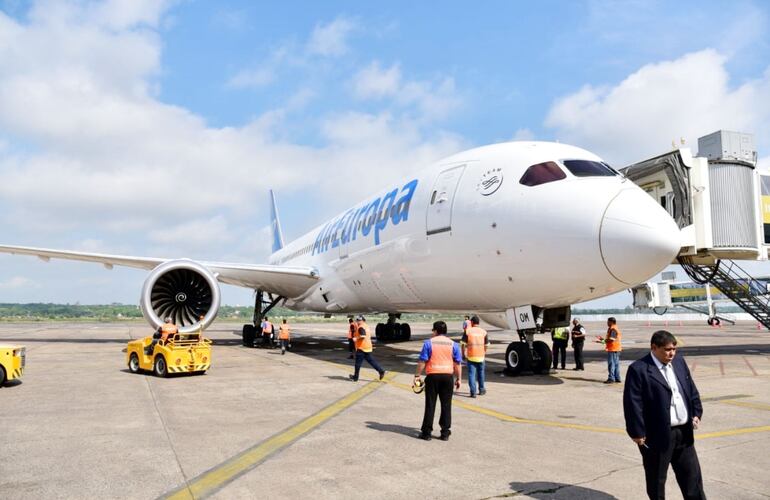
x=722 y=206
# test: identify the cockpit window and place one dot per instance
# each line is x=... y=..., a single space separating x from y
x=542 y=173
x=588 y=168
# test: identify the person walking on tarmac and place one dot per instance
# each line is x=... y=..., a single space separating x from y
x=560 y=337
x=466 y=324
x=441 y=359
x=351 y=333
x=474 y=347
x=578 y=339
x=613 y=347
x=163 y=332
x=267 y=332
x=363 y=339
x=284 y=336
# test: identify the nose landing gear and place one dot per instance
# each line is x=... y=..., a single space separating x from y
x=393 y=331
x=528 y=354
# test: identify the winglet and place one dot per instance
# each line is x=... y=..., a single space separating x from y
x=275 y=224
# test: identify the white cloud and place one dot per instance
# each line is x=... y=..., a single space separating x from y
x=523 y=134
x=110 y=162
x=375 y=82
x=687 y=97
x=246 y=78
x=430 y=99
x=17 y=282
x=330 y=39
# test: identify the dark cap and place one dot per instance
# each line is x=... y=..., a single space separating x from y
x=475 y=320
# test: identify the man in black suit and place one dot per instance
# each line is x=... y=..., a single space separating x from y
x=662 y=408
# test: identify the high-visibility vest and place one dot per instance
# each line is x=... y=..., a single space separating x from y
x=167 y=330
x=475 y=345
x=612 y=344
x=560 y=334
x=440 y=360
x=363 y=343
x=267 y=327
x=352 y=330
x=283 y=333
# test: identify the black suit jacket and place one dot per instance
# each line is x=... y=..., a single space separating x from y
x=647 y=401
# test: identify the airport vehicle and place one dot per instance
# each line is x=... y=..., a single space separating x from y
x=181 y=353
x=516 y=232
x=12 y=361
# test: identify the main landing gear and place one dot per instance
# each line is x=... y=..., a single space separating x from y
x=528 y=354
x=261 y=307
x=392 y=331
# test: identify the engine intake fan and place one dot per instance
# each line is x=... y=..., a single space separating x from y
x=182 y=290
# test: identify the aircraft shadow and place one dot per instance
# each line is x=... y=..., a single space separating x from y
x=551 y=491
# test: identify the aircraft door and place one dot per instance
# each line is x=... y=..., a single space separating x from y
x=439 y=217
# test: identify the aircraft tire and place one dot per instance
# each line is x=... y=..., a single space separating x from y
x=517 y=358
x=133 y=363
x=249 y=333
x=160 y=368
x=406 y=332
x=545 y=357
x=2 y=376
x=379 y=332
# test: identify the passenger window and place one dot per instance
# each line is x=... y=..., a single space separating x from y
x=542 y=173
x=588 y=168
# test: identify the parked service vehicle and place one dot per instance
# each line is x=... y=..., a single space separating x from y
x=181 y=353
x=12 y=360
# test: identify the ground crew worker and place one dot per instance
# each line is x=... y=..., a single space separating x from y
x=613 y=347
x=474 y=347
x=466 y=323
x=363 y=340
x=578 y=339
x=441 y=359
x=560 y=337
x=351 y=333
x=162 y=333
x=267 y=331
x=284 y=336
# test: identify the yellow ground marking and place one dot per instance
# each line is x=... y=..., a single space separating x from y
x=593 y=428
x=214 y=479
x=746 y=404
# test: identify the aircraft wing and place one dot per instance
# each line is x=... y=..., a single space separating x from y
x=288 y=281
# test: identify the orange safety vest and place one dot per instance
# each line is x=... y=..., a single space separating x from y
x=268 y=327
x=475 y=346
x=363 y=343
x=352 y=330
x=610 y=344
x=283 y=333
x=167 y=330
x=441 y=356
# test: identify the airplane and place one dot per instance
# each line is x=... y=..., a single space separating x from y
x=516 y=232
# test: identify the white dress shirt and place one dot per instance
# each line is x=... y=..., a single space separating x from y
x=678 y=408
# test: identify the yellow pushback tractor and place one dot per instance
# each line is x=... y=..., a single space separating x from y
x=12 y=361
x=181 y=353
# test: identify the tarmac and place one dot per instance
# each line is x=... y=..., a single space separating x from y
x=262 y=425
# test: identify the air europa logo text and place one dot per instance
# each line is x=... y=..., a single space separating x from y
x=373 y=217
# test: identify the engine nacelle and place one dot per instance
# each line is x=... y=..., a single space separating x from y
x=182 y=290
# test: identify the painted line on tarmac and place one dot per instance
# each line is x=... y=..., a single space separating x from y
x=746 y=404
x=592 y=428
x=725 y=398
x=750 y=367
x=216 y=478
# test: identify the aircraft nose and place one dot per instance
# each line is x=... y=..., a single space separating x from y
x=638 y=237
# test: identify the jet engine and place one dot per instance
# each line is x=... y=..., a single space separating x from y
x=182 y=290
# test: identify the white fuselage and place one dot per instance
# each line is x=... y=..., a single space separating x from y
x=466 y=235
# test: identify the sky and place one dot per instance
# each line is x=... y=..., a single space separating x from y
x=155 y=128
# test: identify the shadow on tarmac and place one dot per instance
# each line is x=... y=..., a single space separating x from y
x=11 y=384
x=394 y=428
x=549 y=491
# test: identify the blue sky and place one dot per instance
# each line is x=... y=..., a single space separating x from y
x=106 y=107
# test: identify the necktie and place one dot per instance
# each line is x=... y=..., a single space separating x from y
x=676 y=398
